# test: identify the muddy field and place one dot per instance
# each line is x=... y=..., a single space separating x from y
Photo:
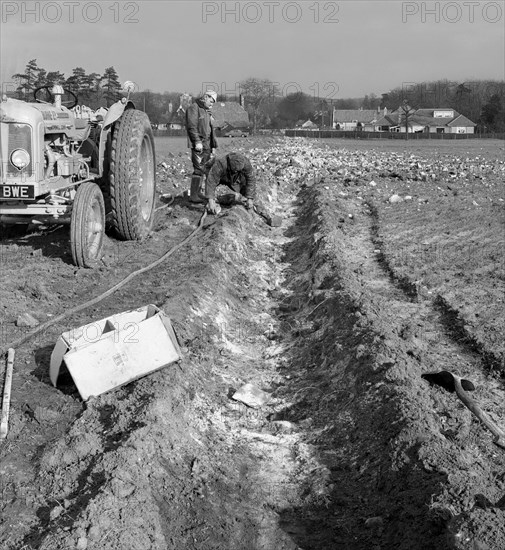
x=389 y=264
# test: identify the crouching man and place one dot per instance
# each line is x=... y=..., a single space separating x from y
x=236 y=172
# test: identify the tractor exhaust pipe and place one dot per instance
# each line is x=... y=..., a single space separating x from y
x=57 y=92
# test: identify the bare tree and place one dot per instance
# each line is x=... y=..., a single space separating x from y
x=256 y=92
x=406 y=112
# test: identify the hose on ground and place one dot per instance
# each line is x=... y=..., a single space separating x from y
x=97 y=299
x=169 y=203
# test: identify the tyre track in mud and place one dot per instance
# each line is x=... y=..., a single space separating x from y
x=445 y=317
x=432 y=461
x=352 y=451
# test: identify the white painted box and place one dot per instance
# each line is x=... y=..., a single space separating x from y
x=114 y=351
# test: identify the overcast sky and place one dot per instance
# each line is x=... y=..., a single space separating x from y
x=331 y=49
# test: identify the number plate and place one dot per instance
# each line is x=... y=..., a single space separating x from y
x=17 y=192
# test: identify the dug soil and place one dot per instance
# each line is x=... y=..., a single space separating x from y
x=335 y=316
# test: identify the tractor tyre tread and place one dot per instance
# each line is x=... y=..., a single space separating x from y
x=86 y=194
x=128 y=135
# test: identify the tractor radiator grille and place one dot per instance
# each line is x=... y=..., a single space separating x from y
x=20 y=137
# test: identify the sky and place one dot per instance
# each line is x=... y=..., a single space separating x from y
x=331 y=49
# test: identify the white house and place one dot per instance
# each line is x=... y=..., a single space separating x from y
x=355 y=119
x=433 y=121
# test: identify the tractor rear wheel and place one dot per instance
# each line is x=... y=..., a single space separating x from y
x=132 y=176
x=87 y=225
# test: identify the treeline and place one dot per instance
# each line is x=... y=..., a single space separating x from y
x=92 y=89
x=482 y=101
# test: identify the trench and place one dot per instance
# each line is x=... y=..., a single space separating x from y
x=328 y=463
x=346 y=453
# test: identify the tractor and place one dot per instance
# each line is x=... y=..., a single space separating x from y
x=63 y=163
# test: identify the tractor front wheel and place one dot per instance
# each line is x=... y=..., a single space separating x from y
x=87 y=225
x=132 y=176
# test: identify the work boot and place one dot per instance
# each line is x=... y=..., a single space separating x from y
x=195 y=195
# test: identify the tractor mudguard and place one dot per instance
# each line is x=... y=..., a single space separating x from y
x=114 y=113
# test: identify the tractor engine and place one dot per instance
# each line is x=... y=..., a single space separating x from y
x=42 y=143
x=62 y=158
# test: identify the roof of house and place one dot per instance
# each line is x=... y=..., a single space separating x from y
x=424 y=117
x=355 y=115
x=231 y=112
x=309 y=124
x=386 y=121
x=421 y=120
x=430 y=111
x=461 y=120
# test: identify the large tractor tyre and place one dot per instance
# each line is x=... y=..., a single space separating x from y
x=132 y=176
x=87 y=225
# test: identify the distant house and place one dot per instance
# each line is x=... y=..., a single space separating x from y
x=355 y=119
x=433 y=121
x=309 y=125
x=385 y=123
x=229 y=115
x=176 y=121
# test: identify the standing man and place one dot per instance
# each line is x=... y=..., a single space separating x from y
x=236 y=172
x=201 y=139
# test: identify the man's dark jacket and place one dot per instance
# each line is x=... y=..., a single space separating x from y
x=199 y=125
x=235 y=171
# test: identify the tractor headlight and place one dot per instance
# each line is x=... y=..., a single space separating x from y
x=20 y=158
